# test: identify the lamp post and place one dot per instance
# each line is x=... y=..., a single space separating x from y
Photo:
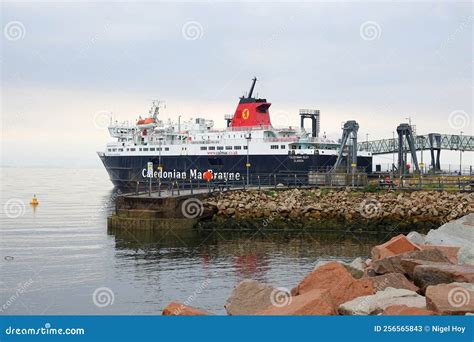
x=393 y=155
x=160 y=168
x=460 y=153
x=247 y=165
x=409 y=123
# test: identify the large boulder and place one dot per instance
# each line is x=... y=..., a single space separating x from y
x=396 y=245
x=249 y=297
x=314 y=302
x=450 y=252
x=403 y=310
x=179 y=309
x=409 y=265
x=335 y=278
x=378 y=302
x=394 y=280
x=393 y=264
x=451 y=299
x=356 y=267
x=425 y=275
x=456 y=233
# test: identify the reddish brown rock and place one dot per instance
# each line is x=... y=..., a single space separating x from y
x=393 y=264
x=451 y=299
x=425 y=275
x=395 y=280
x=409 y=265
x=337 y=280
x=314 y=302
x=396 y=245
x=403 y=310
x=178 y=309
x=450 y=252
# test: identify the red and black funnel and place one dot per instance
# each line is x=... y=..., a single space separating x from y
x=251 y=111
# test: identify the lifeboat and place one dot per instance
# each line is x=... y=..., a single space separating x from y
x=146 y=123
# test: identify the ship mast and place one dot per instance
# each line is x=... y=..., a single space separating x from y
x=155 y=109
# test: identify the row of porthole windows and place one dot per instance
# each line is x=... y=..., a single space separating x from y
x=221 y=148
x=144 y=149
x=203 y=148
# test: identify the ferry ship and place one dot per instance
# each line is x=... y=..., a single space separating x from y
x=250 y=147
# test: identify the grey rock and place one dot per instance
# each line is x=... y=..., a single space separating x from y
x=376 y=303
x=455 y=233
x=416 y=238
x=466 y=255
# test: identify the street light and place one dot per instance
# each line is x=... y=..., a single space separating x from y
x=393 y=156
x=247 y=165
x=460 y=153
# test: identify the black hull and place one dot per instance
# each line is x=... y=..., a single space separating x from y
x=128 y=171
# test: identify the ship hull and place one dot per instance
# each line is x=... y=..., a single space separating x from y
x=128 y=172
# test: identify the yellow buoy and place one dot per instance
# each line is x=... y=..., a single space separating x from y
x=34 y=200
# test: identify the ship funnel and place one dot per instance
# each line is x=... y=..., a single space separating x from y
x=251 y=112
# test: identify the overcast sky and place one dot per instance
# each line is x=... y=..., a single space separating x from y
x=66 y=64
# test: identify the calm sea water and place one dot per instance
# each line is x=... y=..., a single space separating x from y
x=60 y=258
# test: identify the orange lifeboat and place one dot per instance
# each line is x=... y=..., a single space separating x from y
x=146 y=123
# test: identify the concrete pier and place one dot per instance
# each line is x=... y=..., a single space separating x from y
x=159 y=211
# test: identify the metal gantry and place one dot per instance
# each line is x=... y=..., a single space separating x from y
x=434 y=142
x=422 y=142
x=349 y=131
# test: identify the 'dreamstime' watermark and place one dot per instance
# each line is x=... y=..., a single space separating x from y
x=192 y=208
x=14 y=30
x=14 y=208
x=192 y=30
x=370 y=208
x=459 y=119
x=280 y=297
x=102 y=119
x=102 y=297
x=370 y=30
x=197 y=291
x=22 y=287
x=458 y=297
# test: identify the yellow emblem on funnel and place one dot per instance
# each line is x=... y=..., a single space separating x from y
x=245 y=114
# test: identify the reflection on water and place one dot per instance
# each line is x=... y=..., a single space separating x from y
x=60 y=253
